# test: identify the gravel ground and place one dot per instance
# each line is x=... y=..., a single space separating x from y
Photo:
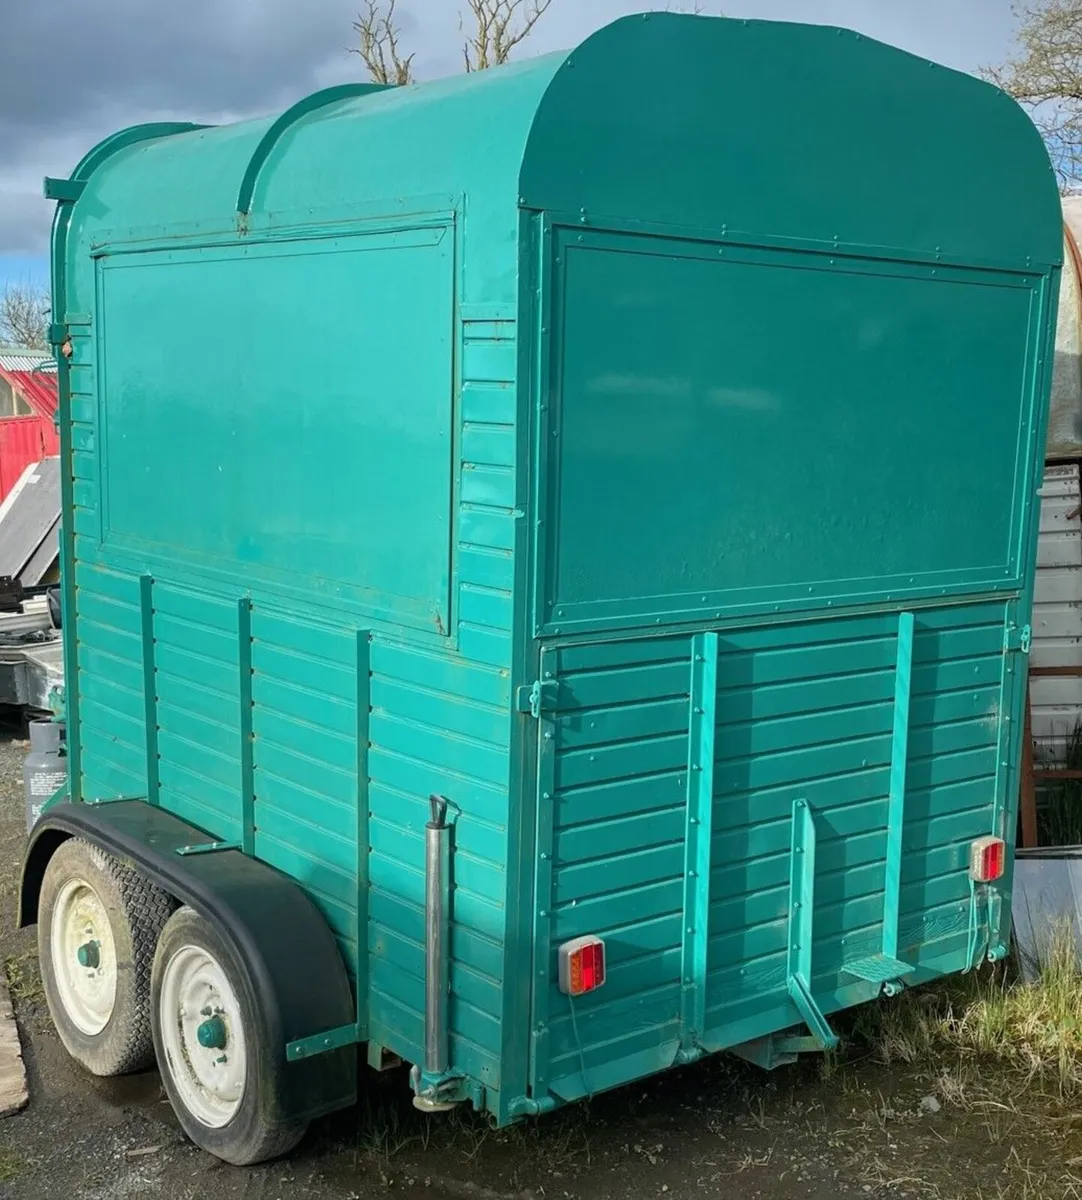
x=818 y=1130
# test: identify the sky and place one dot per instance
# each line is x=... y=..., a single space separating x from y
x=74 y=71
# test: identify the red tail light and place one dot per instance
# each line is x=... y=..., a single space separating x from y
x=582 y=966
x=987 y=859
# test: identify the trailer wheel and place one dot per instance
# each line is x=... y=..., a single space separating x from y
x=98 y=924
x=211 y=1039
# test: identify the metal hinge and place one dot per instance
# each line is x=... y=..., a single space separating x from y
x=537 y=698
x=1018 y=637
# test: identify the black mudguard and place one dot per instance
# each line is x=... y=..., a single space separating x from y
x=277 y=933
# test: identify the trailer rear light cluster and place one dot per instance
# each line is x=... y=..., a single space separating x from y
x=987 y=859
x=582 y=966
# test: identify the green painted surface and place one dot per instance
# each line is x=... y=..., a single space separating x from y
x=551 y=374
x=373 y=426
x=903 y=487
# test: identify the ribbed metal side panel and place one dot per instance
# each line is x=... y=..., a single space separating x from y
x=806 y=712
x=247 y=710
x=442 y=724
x=197 y=701
x=486 y=521
x=800 y=711
x=620 y=815
x=437 y=726
x=84 y=439
x=111 y=685
x=304 y=760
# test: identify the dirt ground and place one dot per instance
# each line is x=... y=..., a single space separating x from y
x=828 y=1129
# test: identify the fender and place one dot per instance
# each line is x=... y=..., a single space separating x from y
x=277 y=934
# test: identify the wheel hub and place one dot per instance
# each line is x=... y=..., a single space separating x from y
x=211 y=1034
x=89 y=955
x=200 y=1019
x=83 y=956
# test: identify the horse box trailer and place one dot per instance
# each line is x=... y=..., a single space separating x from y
x=548 y=557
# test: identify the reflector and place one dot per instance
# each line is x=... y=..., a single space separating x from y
x=582 y=966
x=987 y=859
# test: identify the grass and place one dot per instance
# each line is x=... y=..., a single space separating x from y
x=11 y=1166
x=24 y=978
x=1032 y=1029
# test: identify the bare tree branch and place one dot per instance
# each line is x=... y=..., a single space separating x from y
x=500 y=25
x=24 y=316
x=378 y=44
x=1046 y=78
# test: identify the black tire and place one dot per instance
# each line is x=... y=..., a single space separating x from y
x=256 y=1131
x=137 y=911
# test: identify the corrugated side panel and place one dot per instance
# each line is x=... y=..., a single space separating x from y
x=620 y=796
x=802 y=711
x=305 y=759
x=111 y=696
x=1057 y=612
x=442 y=725
x=439 y=722
x=112 y=701
x=23 y=440
x=197 y=708
x=806 y=711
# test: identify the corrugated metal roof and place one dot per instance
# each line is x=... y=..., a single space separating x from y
x=19 y=358
x=39 y=389
x=33 y=375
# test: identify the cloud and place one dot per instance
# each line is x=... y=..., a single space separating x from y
x=73 y=71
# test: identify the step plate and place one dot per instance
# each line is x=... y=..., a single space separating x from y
x=877 y=968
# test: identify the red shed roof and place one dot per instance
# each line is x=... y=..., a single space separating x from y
x=33 y=375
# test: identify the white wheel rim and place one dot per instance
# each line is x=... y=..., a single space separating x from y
x=209 y=1074
x=83 y=956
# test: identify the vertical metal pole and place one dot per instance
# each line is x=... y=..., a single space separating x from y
x=247 y=760
x=437 y=959
x=899 y=754
x=150 y=684
x=1029 y=790
x=364 y=706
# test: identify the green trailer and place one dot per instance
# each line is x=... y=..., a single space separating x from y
x=547 y=563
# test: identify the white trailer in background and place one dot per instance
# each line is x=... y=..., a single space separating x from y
x=1056 y=702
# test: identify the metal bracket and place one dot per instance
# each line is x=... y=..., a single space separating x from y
x=702 y=718
x=801 y=926
x=886 y=968
x=206 y=848
x=436 y=1093
x=539 y=697
x=321 y=1043
x=776 y=1050
x=64 y=190
x=1018 y=637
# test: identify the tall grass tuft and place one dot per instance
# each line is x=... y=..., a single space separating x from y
x=1034 y=1028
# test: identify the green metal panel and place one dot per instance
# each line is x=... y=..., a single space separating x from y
x=378 y=438
x=811 y=359
x=880 y=132
x=368 y=432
